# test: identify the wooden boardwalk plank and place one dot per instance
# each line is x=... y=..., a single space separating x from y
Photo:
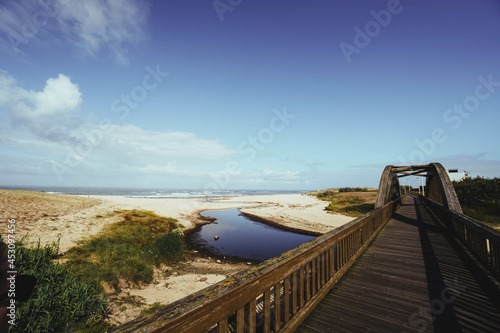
x=413 y=277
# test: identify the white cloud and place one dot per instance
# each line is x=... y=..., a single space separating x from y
x=131 y=145
x=44 y=127
x=96 y=27
x=10 y=92
x=42 y=112
x=60 y=95
x=112 y=25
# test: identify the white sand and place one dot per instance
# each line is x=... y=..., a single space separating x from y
x=296 y=211
x=185 y=210
x=291 y=210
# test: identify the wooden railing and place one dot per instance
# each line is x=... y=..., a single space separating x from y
x=482 y=241
x=276 y=295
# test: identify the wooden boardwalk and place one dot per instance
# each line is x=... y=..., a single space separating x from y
x=412 y=278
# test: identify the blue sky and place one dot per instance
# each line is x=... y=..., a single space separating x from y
x=245 y=94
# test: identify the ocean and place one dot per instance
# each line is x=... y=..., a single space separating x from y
x=145 y=192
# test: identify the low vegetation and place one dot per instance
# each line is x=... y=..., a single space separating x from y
x=152 y=309
x=355 y=189
x=128 y=250
x=348 y=201
x=70 y=297
x=60 y=301
x=480 y=199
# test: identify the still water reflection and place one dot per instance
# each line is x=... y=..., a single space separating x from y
x=240 y=236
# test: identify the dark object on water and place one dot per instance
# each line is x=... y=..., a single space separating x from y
x=24 y=288
x=216 y=237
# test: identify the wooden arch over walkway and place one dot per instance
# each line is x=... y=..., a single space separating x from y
x=438 y=185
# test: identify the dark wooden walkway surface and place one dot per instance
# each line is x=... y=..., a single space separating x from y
x=412 y=278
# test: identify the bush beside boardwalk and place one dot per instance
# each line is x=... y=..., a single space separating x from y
x=480 y=199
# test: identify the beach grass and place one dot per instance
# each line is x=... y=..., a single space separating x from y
x=128 y=250
x=60 y=301
x=350 y=201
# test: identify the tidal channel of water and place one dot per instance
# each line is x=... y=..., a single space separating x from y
x=241 y=236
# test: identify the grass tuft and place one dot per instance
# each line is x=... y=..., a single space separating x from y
x=152 y=309
x=128 y=249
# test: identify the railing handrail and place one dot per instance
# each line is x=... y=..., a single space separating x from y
x=476 y=225
x=215 y=303
x=480 y=239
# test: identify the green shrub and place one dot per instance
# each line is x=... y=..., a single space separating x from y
x=478 y=190
x=128 y=249
x=60 y=301
x=169 y=246
x=480 y=198
x=354 y=189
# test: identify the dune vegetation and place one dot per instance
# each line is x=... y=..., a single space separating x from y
x=69 y=295
x=350 y=201
x=129 y=249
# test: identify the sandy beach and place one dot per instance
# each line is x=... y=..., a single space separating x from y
x=72 y=218
x=293 y=211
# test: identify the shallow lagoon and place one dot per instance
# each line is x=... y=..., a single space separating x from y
x=243 y=237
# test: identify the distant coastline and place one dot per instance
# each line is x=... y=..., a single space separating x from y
x=147 y=192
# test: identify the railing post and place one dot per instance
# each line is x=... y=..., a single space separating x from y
x=240 y=320
x=267 y=311
x=323 y=268
x=287 y=299
x=277 y=306
x=222 y=326
x=332 y=259
x=252 y=312
x=295 y=290
x=301 y=287
x=313 y=276
x=308 y=282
